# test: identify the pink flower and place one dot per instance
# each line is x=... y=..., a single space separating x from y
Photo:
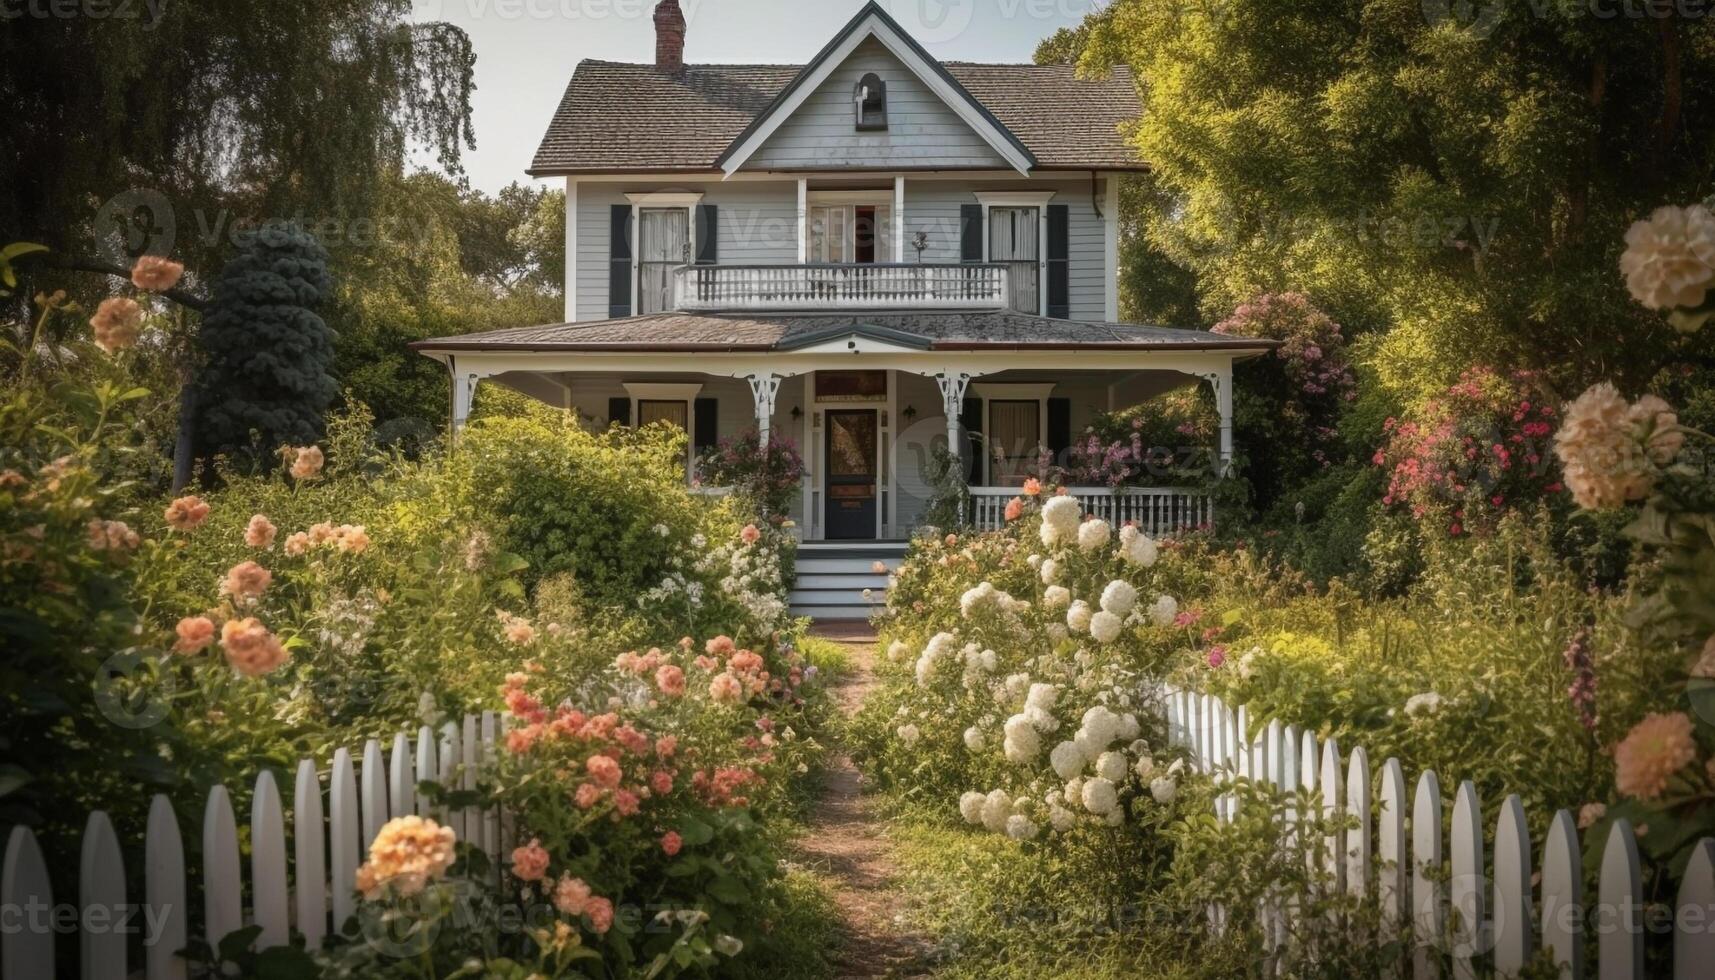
x=626 y=802
x=117 y=322
x=260 y=532
x=195 y=634
x=604 y=771
x=726 y=689
x=588 y=795
x=670 y=678
x=156 y=274
x=246 y=580
x=1651 y=753
x=666 y=745
x=1032 y=487
x=307 y=462
x=671 y=842
x=186 y=513
x=1014 y=509
x=661 y=782
x=571 y=896
x=750 y=535
x=250 y=648
x=530 y=862
x=297 y=544
x=720 y=646
x=1217 y=657
x=600 y=913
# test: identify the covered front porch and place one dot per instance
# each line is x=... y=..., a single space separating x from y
x=870 y=401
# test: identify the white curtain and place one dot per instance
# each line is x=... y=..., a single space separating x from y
x=1013 y=236
x=664 y=246
x=1015 y=434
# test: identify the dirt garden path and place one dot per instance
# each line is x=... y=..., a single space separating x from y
x=847 y=846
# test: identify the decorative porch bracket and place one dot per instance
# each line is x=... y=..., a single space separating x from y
x=953 y=387
x=763 y=389
x=1221 y=382
x=464 y=393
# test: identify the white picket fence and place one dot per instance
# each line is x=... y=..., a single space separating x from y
x=335 y=813
x=1402 y=864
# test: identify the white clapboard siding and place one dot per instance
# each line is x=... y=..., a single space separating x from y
x=1620 y=954
x=345 y=837
x=1514 y=936
x=164 y=893
x=1503 y=911
x=1466 y=891
x=309 y=856
x=1563 y=895
x=268 y=864
x=222 y=887
x=24 y=885
x=101 y=894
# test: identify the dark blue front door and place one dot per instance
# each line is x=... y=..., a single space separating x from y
x=850 y=468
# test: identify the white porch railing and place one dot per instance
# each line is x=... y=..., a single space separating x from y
x=763 y=288
x=1155 y=510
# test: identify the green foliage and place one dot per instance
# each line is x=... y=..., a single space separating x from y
x=266 y=383
x=949 y=504
x=767 y=478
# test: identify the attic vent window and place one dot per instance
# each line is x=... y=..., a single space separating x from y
x=871 y=101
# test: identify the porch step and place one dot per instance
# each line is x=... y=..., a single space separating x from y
x=832 y=579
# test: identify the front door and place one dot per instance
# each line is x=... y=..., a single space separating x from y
x=850 y=470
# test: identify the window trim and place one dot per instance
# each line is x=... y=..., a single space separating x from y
x=1021 y=199
x=1012 y=392
x=663 y=201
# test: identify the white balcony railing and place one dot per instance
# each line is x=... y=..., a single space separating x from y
x=773 y=288
x=1155 y=510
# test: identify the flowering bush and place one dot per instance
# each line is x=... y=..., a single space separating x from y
x=1475 y=453
x=770 y=478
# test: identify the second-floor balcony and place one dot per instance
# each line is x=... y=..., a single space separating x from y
x=779 y=288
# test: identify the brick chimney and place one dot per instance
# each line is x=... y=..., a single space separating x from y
x=670 y=37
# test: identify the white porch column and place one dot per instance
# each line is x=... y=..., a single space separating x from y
x=1221 y=380
x=899 y=218
x=464 y=393
x=953 y=403
x=764 y=388
x=803 y=220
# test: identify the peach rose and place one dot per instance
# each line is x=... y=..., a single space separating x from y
x=351 y=539
x=297 y=544
x=530 y=862
x=571 y=895
x=195 y=634
x=156 y=274
x=671 y=842
x=112 y=536
x=1650 y=755
x=407 y=854
x=117 y=323
x=250 y=648
x=726 y=689
x=671 y=680
x=750 y=535
x=600 y=913
x=186 y=513
x=603 y=771
x=1014 y=508
x=246 y=580
x=307 y=462
x=260 y=532
x=587 y=795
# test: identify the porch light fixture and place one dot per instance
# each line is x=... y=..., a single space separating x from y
x=797 y=413
x=920 y=241
x=908 y=413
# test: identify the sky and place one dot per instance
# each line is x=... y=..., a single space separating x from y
x=526 y=49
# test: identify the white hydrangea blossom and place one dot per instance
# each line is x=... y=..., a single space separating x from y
x=1078 y=616
x=1137 y=547
x=1119 y=598
x=971 y=806
x=974 y=739
x=1050 y=572
x=1060 y=521
x=996 y=810
x=1022 y=745
x=1057 y=632
x=1020 y=827
x=1056 y=597
x=1164 y=610
x=1423 y=705
x=1068 y=760
x=1043 y=697
x=1093 y=535
x=898 y=652
x=1100 y=796
x=1111 y=766
x=1061 y=819
x=909 y=734
x=1105 y=626
x=984 y=595
x=1164 y=789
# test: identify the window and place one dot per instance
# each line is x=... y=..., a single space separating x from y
x=1014 y=236
x=1014 y=437
x=842 y=233
x=665 y=245
x=870 y=100
x=663 y=411
x=851 y=385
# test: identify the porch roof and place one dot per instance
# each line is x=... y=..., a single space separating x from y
x=986 y=330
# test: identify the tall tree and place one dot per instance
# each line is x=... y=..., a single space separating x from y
x=1463 y=183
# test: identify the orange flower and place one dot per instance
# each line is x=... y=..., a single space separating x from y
x=1032 y=487
x=246 y=580
x=186 y=513
x=117 y=322
x=112 y=536
x=307 y=462
x=259 y=533
x=156 y=274
x=250 y=648
x=407 y=854
x=352 y=539
x=1014 y=508
x=750 y=535
x=1654 y=750
x=195 y=634
x=530 y=862
x=297 y=544
x=600 y=912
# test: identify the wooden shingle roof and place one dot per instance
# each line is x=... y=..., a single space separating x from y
x=627 y=118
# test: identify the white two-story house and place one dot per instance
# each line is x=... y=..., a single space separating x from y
x=873 y=255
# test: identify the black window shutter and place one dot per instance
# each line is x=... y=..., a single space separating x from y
x=708 y=235
x=619 y=411
x=970 y=232
x=619 y=269
x=971 y=420
x=706 y=425
x=1059 y=426
x=1059 y=261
